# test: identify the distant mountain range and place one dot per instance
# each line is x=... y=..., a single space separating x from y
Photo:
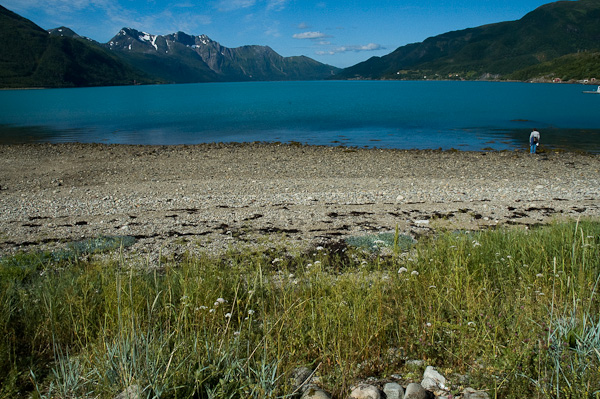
x=33 y=57
x=182 y=58
x=557 y=40
x=506 y=50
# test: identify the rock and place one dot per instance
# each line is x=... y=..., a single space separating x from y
x=434 y=381
x=365 y=391
x=314 y=392
x=470 y=393
x=393 y=390
x=413 y=364
x=132 y=392
x=416 y=391
x=301 y=378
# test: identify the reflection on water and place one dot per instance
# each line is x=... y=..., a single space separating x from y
x=470 y=116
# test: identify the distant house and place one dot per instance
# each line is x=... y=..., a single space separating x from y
x=557 y=80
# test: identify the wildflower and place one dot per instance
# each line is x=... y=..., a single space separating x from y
x=202 y=308
x=319 y=248
x=309 y=265
x=212 y=311
x=476 y=243
x=221 y=300
x=276 y=260
x=250 y=312
x=402 y=270
x=471 y=324
x=539 y=275
x=236 y=333
x=428 y=324
x=228 y=316
x=317 y=263
x=414 y=273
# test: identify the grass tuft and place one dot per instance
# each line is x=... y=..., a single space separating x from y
x=511 y=311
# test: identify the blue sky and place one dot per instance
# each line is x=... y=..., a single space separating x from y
x=336 y=32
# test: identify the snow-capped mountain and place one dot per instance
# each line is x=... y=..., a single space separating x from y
x=180 y=57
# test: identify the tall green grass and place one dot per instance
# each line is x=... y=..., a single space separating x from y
x=512 y=311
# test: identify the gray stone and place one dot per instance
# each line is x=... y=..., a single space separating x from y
x=132 y=392
x=301 y=378
x=314 y=392
x=415 y=391
x=470 y=393
x=365 y=391
x=433 y=381
x=414 y=364
x=393 y=390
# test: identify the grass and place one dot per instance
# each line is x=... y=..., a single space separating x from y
x=511 y=311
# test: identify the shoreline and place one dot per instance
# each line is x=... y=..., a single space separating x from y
x=211 y=197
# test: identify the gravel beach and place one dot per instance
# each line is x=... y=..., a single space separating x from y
x=210 y=197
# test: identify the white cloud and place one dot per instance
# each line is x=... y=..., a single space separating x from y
x=276 y=5
x=310 y=35
x=346 y=49
x=273 y=30
x=303 y=25
x=232 y=5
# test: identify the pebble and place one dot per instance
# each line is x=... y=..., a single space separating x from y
x=298 y=197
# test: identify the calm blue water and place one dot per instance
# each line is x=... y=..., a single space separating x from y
x=461 y=115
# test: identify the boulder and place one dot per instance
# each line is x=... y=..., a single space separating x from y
x=314 y=392
x=132 y=392
x=393 y=390
x=470 y=393
x=365 y=391
x=435 y=382
x=416 y=391
x=302 y=378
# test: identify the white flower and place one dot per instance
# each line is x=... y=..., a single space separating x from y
x=211 y=311
x=276 y=260
x=414 y=273
x=228 y=316
x=539 y=275
x=309 y=265
x=236 y=333
x=319 y=248
x=428 y=324
x=471 y=324
x=221 y=300
x=476 y=243
x=250 y=312
x=317 y=262
x=402 y=270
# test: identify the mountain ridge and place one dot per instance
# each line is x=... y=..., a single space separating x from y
x=550 y=31
x=206 y=59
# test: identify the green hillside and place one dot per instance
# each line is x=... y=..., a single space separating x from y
x=496 y=50
x=30 y=57
x=566 y=68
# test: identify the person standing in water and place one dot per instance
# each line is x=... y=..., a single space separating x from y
x=534 y=141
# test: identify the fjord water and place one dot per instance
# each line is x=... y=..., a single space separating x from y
x=384 y=114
